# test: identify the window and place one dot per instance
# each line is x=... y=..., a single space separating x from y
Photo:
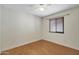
x=56 y=25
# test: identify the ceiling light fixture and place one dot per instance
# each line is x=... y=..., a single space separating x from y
x=41 y=9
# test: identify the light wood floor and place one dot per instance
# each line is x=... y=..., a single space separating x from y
x=41 y=47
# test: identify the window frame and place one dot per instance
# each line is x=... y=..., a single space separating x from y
x=56 y=24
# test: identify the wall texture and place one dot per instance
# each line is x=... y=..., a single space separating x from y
x=19 y=28
x=70 y=37
x=0 y=26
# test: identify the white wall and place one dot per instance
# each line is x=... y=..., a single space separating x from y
x=70 y=37
x=0 y=27
x=19 y=28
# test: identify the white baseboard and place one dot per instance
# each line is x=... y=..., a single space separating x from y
x=63 y=44
x=37 y=40
x=24 y=43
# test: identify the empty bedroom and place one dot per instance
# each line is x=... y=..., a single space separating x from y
x=39 y=29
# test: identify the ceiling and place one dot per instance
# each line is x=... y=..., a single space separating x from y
x=34 y=8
